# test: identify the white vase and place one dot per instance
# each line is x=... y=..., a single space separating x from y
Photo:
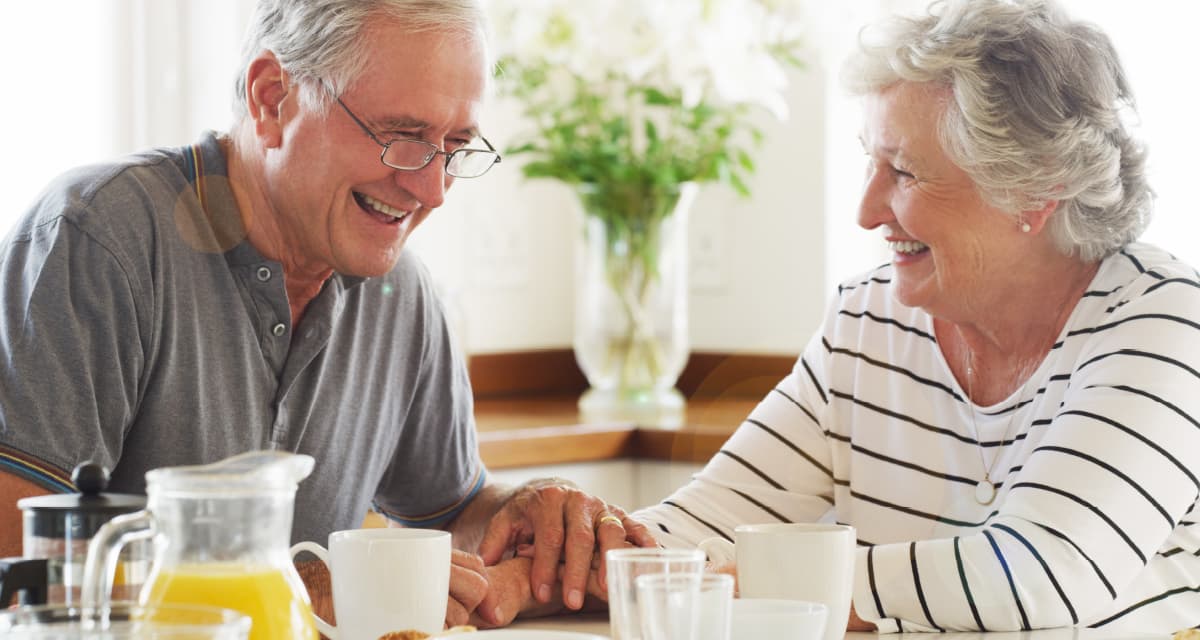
x=631 y=309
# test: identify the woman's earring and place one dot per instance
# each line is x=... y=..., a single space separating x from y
x=1025 y=228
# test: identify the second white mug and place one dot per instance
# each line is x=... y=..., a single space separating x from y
x=795 y=561
x=385 y=580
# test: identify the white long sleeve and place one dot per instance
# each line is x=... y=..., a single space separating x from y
x=1099 y=461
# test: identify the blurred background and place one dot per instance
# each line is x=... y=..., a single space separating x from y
x=93 y=79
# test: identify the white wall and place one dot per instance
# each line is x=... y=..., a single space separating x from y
x=1152 y=37
x=630 y=483
x=90 y=79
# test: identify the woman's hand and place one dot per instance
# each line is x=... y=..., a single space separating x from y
x=726 y=568
x=856 y=623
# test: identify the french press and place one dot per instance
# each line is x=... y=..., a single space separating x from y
x=56 y=530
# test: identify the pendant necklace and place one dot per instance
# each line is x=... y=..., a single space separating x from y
x=985 y=489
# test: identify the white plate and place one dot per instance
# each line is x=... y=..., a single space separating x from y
x=524 y=634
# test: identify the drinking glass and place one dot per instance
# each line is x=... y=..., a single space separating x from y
x=684 y=606
x=124 y=621
x=624 y=565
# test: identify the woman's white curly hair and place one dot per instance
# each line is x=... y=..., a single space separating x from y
x=1036 y=113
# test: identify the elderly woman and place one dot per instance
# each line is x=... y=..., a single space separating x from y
x=1007 y=411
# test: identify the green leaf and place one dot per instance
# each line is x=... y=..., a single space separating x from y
x=655 y=96
x=746 y=160
x=739 y=185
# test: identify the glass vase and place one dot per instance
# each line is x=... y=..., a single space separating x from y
x=631 y=302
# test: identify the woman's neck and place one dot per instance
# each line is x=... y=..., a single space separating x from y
x=1004 y=343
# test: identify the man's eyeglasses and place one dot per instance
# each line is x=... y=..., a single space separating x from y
x=412 y=155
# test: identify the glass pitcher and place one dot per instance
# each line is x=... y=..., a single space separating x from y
x=221 y=534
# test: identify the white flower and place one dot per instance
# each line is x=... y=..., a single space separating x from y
x=716 y=51
x=643 y=94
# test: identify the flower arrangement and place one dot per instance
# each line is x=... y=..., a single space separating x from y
x=634 y=95
x=627 y=100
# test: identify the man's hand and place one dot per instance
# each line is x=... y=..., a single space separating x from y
x=468 y=587
x=564 y=523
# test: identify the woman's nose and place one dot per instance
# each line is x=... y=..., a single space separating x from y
x=874 y=209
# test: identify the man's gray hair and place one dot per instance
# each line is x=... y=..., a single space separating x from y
x=320 y=41
x=1036 y=112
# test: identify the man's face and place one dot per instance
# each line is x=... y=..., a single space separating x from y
x=334 y=204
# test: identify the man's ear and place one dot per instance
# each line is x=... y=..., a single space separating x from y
x=267 y=85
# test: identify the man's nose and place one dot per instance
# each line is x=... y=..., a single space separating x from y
x=427 y=184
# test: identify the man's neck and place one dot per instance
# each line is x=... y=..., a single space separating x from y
x=302 y=280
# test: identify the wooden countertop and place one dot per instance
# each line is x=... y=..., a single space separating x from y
x=532 y=430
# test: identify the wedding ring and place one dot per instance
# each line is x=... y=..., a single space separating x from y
x=611 y=518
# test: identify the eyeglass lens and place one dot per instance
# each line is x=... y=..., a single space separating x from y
x=415 y=154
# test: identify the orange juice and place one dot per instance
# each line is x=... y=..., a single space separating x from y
x=263 y=593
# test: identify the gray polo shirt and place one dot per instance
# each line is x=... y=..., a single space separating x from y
x=139 y=329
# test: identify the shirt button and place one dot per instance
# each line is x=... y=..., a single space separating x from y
x=264 y=274
x=279 y=329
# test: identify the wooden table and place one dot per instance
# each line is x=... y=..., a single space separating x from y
x=528 y=431
x=598 y=625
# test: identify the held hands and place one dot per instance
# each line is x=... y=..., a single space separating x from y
x=509 y=593
x=468 y=586
x=480 y=595
x=563 y=524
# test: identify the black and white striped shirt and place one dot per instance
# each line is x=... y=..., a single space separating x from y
x=1096 y=521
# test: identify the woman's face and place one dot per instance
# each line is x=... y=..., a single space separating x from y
x=950 y=249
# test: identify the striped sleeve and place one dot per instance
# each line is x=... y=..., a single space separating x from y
x=1107 y=482
x=776 y=467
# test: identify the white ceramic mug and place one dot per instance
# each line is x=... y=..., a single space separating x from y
x=385 y=580
x=794 y=561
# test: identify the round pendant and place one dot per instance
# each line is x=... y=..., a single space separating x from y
x=985 y=492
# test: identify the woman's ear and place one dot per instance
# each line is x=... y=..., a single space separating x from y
x=1034 y=221
x=267 y=85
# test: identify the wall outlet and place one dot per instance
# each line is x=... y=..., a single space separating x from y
x=500 y=259
x=708 y=263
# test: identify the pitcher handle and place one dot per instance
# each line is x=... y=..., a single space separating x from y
x=317 y=550
x=104 y=551
x=719 y=551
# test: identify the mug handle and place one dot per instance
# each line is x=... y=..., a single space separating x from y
x=317 y=550
x=719 y=550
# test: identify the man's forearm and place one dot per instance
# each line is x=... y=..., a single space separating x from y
x=467 y=529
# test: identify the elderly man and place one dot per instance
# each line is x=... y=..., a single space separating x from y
x=249 y=292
